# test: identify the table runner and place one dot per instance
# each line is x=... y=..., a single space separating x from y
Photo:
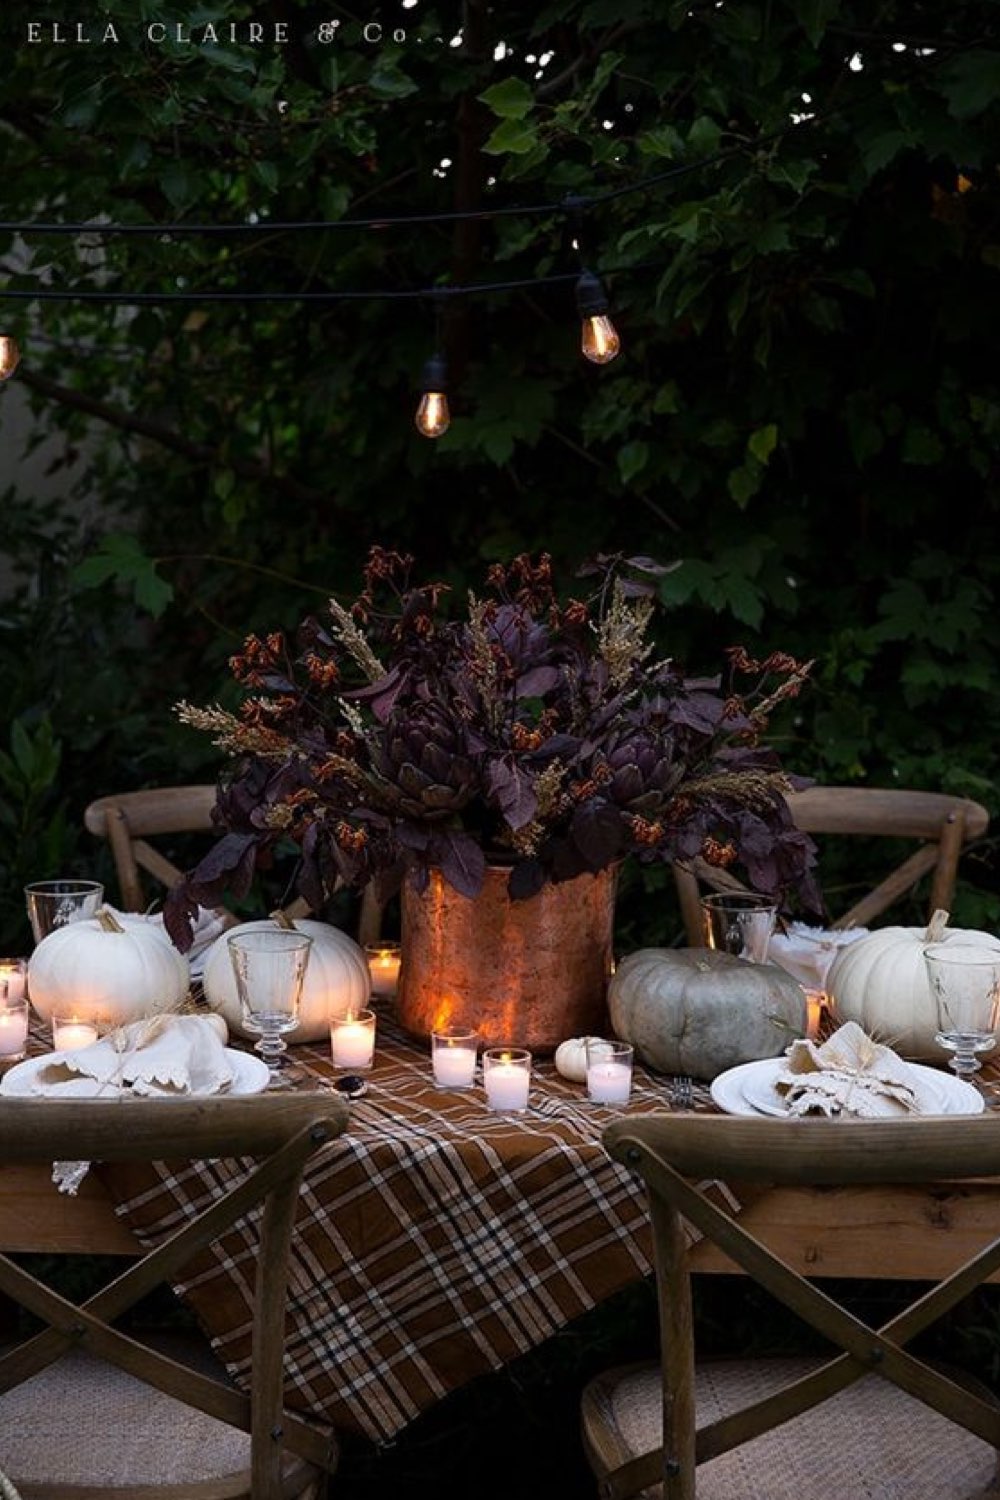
x=436 y=1241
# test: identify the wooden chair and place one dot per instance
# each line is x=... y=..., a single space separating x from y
x=88 y=1411
x=876 y=1438
x=128 y=820
x=944 y=825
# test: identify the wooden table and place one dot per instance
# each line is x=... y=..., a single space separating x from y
x=914 y=1233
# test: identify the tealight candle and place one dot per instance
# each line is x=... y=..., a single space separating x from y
x=453 y=1058
x=13 y=1030
x=609 y=1071
x=506 y=1078
x=352 y=1040
x=815 y=1004
x=70 y=1033
x=12 y=979
x=383 y=967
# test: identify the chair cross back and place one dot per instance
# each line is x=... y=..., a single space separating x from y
x=943 y=825
x=282 y=1134
x=671 y=1154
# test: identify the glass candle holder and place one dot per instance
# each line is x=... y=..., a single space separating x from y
x=13 y=980
x=609 y=1071
x=453 y=1057
x=383 y=966
x=507 y=1078
x=815 y=1006
x=71 y=1032
x=55 y=903
x=13 y=1030
x=352 y=1041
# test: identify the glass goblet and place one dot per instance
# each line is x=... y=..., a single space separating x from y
x=966 y=987
x=269 y=967
x=739 y=924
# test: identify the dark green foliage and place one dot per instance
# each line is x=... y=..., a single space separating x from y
x=805 y=414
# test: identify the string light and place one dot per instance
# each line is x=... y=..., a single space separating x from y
x=10 y=356
x=433 y=416
x=599 y=339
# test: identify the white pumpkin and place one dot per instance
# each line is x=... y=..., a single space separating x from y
x=571 y=1058
x=881 y=982
x=700 y=1011
x=108 y=970
x=336 y=981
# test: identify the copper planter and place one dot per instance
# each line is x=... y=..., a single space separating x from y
x=521 y=973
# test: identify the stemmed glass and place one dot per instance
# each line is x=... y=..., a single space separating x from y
x=739 y=924
x=269 y=967
x=966 y=987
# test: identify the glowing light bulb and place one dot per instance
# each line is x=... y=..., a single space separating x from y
x=433 y=415
x=10 y=356
x=599 y=337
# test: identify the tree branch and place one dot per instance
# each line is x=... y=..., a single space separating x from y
x=199 y=453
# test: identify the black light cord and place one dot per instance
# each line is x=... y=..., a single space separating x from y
x=391 y=221
x=413 y=294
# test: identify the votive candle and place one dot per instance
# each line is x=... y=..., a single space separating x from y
x=70 y=1033
x=609 y=1071
x=12 y=979
x=507 y=1078
x=815 y=1005
x=352 y=1040
x=453 y=1058
x=383 y=967
x=13 y=1030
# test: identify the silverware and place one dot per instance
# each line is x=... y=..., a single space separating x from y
x=682 y=1092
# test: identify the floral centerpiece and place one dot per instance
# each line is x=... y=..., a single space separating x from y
x=391 y=741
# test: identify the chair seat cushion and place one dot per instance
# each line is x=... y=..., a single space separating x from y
x=872 y=1441
x=84 y=1422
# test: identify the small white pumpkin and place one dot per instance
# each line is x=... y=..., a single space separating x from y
x=571 y=1058
x=109 y=970
x=881 y=982
x=700 y=1011
x=336 y=981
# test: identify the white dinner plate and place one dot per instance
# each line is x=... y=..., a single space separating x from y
x=250 y=1076
x=749 y=1090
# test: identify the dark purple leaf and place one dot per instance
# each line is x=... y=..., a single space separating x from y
x=536 y=682
x=512 y=789
x=462 y=862
x=598 y=831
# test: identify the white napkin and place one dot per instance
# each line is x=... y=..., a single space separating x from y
x=848 y=1075
x=808 y=952
x=170 y=1056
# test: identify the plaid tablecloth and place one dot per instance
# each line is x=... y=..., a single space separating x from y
x=436 y=1241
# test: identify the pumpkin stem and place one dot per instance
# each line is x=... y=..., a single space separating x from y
x=936 y=927
x=108 y=920
x=282 y=919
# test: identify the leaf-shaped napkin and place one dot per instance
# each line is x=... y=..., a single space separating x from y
x=849 y=1074
x=167 y=1055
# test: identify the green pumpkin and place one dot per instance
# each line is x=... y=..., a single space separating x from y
x=697 y=1011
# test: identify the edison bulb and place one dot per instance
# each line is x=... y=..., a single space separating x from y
x=600 y=342
x=433 y=416
x=10 y=356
